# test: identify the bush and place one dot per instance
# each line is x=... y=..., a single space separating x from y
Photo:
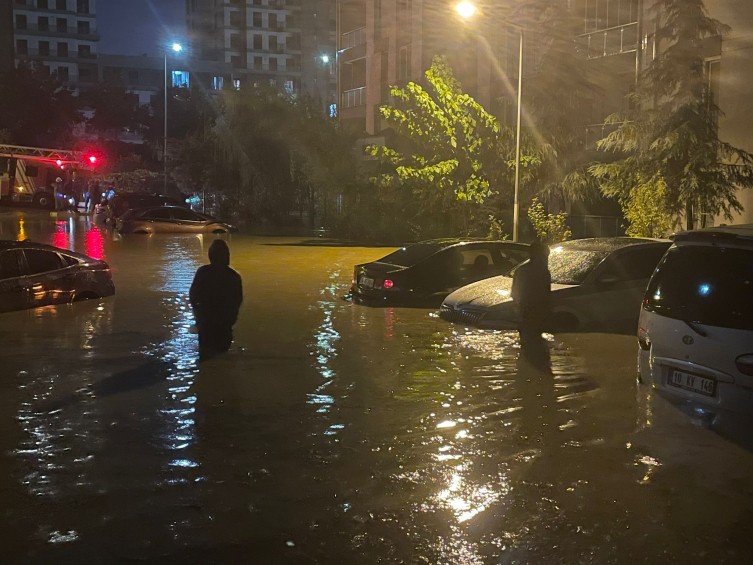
x=549 y=228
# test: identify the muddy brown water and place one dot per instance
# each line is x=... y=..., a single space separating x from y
x=332 y=432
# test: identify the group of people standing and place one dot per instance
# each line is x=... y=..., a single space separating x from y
x=68 y=195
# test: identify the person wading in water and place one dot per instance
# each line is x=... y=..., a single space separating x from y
x=531 y=288
x=216 y=296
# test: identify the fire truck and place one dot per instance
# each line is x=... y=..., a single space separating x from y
x=28 y=174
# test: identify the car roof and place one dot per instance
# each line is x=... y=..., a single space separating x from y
x=741 y=234
x=6 y=245
x=607 y=244
x=449 y=242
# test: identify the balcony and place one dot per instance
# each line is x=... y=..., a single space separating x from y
x=72 y=56
x=611 y=41
x=354 y=97
x=353 y=38
x=30 y=6
x=69 y=32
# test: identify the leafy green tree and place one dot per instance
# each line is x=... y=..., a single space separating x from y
x=453 y=155
x=645 y=209
x=674 y=130
x=550 y=228
x=113 y=108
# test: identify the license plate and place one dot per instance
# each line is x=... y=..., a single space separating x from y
x=366 y=282
x=693 y=383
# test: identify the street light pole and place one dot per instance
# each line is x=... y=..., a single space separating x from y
x=164 y=141
x=516 y=210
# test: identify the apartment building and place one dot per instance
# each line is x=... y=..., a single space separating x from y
x=59 y=35
x=287 y=43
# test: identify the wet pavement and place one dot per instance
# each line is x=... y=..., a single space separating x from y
x=334 y=433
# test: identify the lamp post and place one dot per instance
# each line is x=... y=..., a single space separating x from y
x=467 y=10
x=176 y=48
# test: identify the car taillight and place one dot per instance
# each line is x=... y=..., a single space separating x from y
x=745 y=364
x=388 y=284
x=643 y=340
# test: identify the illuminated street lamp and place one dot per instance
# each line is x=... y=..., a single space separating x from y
x=467 y=10
x=325 y=59
x=176 y=48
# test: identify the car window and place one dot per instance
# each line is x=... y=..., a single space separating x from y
x=69 y=261
x=40 y=261
x=157 y=214
x=572 y=266
x=704 y=285
x=635 y=264
x=186 y=215
x=409 y=256
x=9 y=265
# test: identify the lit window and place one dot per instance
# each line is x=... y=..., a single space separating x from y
x=237 y=84
x=218 y=83
x=181 y=79
x=289 y=86
x=333 y=110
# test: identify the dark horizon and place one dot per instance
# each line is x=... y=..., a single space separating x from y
x=137 y=27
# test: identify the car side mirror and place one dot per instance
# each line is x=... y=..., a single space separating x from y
x=608 y=279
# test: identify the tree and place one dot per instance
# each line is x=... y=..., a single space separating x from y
x=113 y=108
x=549 y=228
x=673 y=133
x=645 y=209
x=454 y=155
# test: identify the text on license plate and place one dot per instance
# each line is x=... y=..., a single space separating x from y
x=693 y=383
x=366 y=282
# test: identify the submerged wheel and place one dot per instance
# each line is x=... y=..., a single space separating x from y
x=564 y=322
x=88 y=295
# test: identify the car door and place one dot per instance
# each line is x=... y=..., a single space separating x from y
x=50 y=279
x=618 y=286
x=187 y=221
x=14 y=286
x=160 y=220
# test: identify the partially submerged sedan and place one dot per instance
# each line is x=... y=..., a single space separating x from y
x=425 y=273
x=597 y=284
x=169 y=219
x=35 y=274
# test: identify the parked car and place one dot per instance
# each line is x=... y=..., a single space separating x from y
x=597 y=284
x=424 y=273
x=169 y=219
x=121 y=203
x=34 y=274
x=696 y=324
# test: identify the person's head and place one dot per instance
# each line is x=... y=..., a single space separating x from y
x=219 y=253
x=539 y=251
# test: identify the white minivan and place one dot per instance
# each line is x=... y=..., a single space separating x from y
x=696 y=325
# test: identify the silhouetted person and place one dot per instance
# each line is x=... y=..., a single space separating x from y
x=531 y=289
x=216 y=296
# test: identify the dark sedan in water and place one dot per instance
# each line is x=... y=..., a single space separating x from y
x=35 y=274
x=425 y=273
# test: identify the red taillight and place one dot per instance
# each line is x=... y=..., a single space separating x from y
x=745 y=364
x=643 y=340
x=388 y=284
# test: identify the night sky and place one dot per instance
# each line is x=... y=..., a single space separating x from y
x=135 y=27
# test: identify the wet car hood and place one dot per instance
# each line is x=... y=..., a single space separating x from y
x=487 y=293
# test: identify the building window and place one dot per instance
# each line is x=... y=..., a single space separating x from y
x=257 y=42
x=273 y=43
x=82 y=6
x=63 y=74
x=181 y=79
x=61 y=5
x=404 y=63
x=21 y=22
x=85 y=51
x=83 y=28
x=236 y=61
x=22 y=47
x=85 y=74
x=133 y=76
x=258 y=62
x=62 y=49
x=237 y=83
x=333 y=110
x=289 y=86
x=43 y=23
x=42 y=4
x=273 y=63
x=235 y=19
x=377 y=19
x=235 y=41
x=272 y=21
x=44 y=48
x=62 y=25
x=218 y=83
x=257 y=19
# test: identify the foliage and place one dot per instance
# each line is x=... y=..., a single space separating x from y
x=36 y=109
x=140 y=180
x=645 y=209
x=674 y=130
x=453 y=155
x=496 y=230
x=549 y=228
x=113 y=108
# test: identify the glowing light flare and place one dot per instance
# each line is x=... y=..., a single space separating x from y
x=325 y=59
x=704 y=289
x=466 y=10
x=177 y=47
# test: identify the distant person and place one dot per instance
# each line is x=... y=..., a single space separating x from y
x=216 y=296
x=531 y=289
x=95 y=196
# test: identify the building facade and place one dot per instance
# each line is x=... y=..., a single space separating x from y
x=286 y=43
x=58 y=35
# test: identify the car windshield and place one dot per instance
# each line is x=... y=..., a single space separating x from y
x=571 y=266
x=704 y=285
x=408 y=256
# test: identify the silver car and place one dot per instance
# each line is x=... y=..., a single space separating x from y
x=169 y=219
x=597 y=284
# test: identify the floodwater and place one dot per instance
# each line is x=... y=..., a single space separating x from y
x=332 y=432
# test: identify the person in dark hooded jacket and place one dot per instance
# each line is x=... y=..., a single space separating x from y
x=216 y=296
x=531 y=290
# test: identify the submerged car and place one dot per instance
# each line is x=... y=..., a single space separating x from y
x=121 y=203
x=35 y=274
x=425 y=273
x=597 y=284
x=169 y=219
x=696 y=325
